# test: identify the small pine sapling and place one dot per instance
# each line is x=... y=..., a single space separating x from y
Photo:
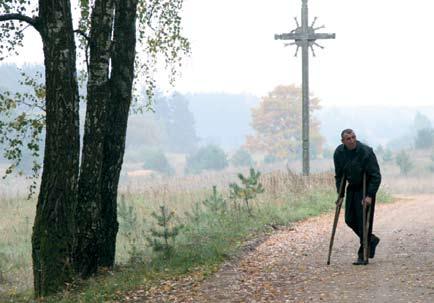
x=215 y=203
x=250 y=187
x=195 y=214
x=127 y=216
x=166 y=232
x=129 y=227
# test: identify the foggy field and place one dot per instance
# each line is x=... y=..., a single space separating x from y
x=140 y=196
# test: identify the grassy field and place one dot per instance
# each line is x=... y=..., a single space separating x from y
x=210 y=234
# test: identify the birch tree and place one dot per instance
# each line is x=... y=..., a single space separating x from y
x=52 y=236
x=76 y=220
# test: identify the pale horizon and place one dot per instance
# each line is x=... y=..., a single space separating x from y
x=377 y=58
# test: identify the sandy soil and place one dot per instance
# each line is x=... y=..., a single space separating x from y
x=290 y=265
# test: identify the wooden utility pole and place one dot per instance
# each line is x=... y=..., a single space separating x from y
x=304 y=36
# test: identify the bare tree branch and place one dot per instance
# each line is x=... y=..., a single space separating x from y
x=82 y=33
x=30 y=105
x=32 y=21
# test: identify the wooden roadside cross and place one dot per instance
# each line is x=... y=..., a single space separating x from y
x=304 y=36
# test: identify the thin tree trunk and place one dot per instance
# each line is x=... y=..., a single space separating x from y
x=88 y=213
x=53 y=227
x=121 y=83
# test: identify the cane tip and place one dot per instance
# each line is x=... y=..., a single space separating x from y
x=328 y=262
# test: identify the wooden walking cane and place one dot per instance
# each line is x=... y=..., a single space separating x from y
x=338 y=210
x=366 y=221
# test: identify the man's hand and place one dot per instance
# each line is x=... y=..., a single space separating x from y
x=368 y=201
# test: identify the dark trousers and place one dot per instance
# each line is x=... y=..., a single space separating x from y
x=354 y=214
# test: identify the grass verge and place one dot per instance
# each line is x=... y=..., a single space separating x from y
x=210 y=235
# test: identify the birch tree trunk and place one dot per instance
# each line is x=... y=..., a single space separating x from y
x=53 y=227
x=121 y=83
x=88 y=213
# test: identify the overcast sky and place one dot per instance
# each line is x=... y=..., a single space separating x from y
x=382 y=54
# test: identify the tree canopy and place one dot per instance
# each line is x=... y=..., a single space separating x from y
x=277 y=122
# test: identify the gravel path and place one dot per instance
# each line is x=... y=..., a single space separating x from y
x=290 y=265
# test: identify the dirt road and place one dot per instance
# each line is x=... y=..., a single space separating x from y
x=290 y=266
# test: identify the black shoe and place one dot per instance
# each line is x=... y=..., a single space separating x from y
x=374 y=242
x=360 y=261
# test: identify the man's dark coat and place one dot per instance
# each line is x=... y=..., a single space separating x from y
x=363 y=160
x=353 y=164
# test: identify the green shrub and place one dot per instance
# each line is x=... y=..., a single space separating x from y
x=404 y=162
x=156 y=160
x=387 y=155
x=210 y=157
x=424 y=138
x=242 y=158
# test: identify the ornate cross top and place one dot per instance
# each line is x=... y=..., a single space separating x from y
x=304 y=36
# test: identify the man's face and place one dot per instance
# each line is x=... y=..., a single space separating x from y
x=349 y=140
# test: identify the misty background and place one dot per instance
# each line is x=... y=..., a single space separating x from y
x=370 y=78
x=181 y=123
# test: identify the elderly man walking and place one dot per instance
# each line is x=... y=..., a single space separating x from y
x=352 y=160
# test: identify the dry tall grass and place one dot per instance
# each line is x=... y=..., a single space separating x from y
x=144 y=195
